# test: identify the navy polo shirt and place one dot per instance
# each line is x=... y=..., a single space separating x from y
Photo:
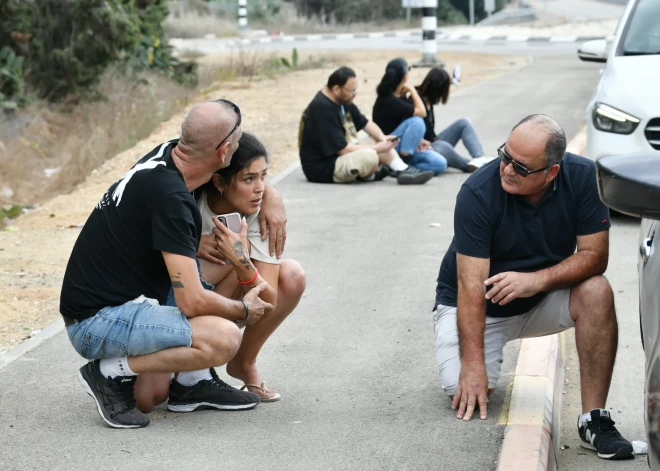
x=517 y=235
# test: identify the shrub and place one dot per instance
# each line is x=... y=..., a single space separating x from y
x=12 y=86
x=68 y=44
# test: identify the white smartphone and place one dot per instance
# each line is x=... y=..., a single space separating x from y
x=231 y=221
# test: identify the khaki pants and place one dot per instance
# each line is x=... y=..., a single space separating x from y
x=550 y=316
x=360 y=163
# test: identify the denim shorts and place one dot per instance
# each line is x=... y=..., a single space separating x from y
x=138 y=327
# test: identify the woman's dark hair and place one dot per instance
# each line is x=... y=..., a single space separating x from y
x=435 y=87
x=395 y=71
x=249 y=149
x=340 y=77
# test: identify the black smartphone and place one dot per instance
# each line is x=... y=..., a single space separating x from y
x=395 y=138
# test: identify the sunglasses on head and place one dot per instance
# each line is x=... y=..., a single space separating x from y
x=519 y=168
x=238 y=123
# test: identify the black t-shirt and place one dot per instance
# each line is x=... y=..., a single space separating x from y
x=430 y=134
x=390 y=111
x=325 y=129
x=117 y=256
x=516 y=235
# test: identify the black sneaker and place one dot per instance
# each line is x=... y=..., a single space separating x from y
x=114 y=397
x=382 y=172
x=209 y=394
x=413 y=176
x=601 y=435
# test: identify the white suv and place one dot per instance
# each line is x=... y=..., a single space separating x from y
x=624 y=113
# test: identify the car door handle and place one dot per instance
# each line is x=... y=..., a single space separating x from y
x=645 y=248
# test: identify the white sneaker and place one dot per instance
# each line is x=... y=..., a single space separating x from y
x=478 y=162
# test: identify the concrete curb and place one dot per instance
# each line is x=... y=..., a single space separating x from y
x=441 y=37
x=531 y=436
x=532 y=433
x=54 y=328
x=31 y=343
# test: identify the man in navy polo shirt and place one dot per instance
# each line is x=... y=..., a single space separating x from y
x=512 y=271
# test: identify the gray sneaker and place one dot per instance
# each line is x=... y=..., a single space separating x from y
x=114 y=397
x=413 y=176
x=209 y=394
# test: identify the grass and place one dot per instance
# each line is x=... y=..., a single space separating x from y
x=196 y=25
x=73 y=140
x=197 y=22
x=68 y=142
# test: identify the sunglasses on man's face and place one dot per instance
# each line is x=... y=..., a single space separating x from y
x=519 y=168
x=238 y=123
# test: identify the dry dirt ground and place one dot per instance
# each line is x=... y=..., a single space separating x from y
x=34 y=251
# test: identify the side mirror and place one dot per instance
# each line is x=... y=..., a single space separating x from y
x=594 y=51
x=630 y=183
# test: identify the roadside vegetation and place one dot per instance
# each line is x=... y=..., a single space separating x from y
x=104 y=93
x=83 y=80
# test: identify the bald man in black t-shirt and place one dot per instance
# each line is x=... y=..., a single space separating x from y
x=139 y=242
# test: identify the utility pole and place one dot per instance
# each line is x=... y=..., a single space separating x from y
x=489 y=6
x=472 y=12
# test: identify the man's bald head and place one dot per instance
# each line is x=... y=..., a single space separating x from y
x=555 y=144
x=205 y=125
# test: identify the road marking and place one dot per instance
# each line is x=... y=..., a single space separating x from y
x=563 y=39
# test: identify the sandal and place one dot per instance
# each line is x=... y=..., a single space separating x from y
x=262 y=388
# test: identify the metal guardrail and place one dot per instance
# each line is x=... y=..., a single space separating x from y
x=510 y=16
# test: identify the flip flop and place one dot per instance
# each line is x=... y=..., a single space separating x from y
x=275 y=398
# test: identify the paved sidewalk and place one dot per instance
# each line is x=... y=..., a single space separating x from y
x=354 y=363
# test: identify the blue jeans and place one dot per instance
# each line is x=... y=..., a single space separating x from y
x=138 y=327
x=412 y=131
x=461 y=129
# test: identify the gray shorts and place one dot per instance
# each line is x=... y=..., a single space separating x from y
x=548 y=317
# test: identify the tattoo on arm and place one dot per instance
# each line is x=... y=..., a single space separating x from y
x=176 y=281
x=241 y=254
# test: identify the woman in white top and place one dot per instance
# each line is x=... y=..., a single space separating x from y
x=240 y=188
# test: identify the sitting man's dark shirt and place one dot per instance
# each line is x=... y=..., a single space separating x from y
x=325 y=129
x=117 y=257
x=516 y=235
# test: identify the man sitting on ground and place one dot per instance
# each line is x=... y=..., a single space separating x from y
x=139 y=242
x=331 y=150
x=512 y=271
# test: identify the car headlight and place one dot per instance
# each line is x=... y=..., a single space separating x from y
x=610 y=119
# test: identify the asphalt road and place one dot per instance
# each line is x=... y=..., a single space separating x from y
x=354 y=363
x=219 y=46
